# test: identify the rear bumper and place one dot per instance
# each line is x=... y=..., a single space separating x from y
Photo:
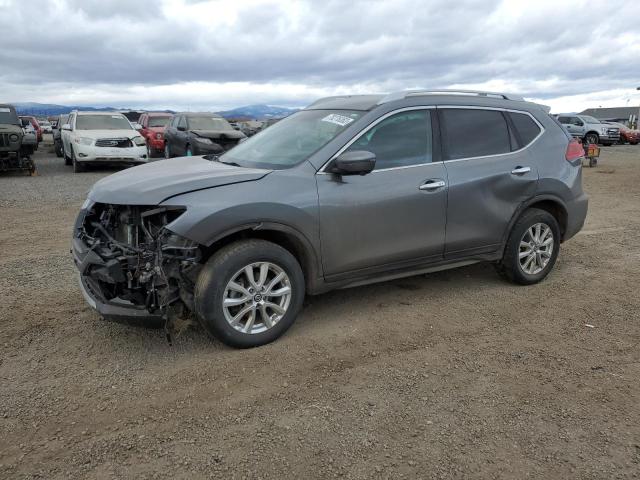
x=576 y=215
x=156 y=144
x=116 y=309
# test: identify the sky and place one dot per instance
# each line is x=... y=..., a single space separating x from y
x=219 y=54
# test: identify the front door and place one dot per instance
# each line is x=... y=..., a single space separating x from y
x=392 y=217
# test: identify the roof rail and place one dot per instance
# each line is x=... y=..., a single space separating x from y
x=418 y=93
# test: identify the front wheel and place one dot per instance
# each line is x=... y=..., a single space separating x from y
x=167 y=150
x=77 y=166
x=532 y=248
x=592 y=138
x=249 y=293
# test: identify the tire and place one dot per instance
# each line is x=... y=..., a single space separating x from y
x=229 y=264
x=150 y=151
x=58 y=150
x=592 y=138
x=608 y=144
x=67 y=160
x=77 y=166
x=633 y=143
x=167 y=150
x=188 y=152
x=510 y=266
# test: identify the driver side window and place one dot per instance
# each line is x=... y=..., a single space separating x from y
x=401 y=140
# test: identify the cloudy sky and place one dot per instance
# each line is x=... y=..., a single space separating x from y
x=215 y=54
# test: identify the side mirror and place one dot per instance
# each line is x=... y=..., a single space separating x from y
x=66 y=126
x=357 y=162
x=181 y=128
x=137 y=126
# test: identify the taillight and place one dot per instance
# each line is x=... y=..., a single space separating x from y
x=574 y=151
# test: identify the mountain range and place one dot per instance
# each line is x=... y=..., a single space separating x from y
x=256 y=112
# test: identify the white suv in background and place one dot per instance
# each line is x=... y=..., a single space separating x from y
x=101 y=137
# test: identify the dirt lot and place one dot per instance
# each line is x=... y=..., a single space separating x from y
x=451 y=375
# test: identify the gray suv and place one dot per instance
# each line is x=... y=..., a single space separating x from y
x=349 y=191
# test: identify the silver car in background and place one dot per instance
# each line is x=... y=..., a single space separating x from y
x=349 y=191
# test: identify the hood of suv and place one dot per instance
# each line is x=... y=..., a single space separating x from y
x=152 y=183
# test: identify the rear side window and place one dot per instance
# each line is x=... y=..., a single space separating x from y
x=473 y=133
x=526 y=129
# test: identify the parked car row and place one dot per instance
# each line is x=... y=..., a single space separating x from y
x=85 y=138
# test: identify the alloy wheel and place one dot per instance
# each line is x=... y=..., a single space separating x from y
x=591 y=138
x=257 y=297
x=536 y=248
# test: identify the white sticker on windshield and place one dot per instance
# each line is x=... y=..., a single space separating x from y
x=337 y=119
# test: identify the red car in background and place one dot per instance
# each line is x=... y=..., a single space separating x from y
x=153 y=125
x=627 y=135
x=36 y=126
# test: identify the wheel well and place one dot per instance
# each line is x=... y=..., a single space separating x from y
x=289 y=242
x=592 y=131
x=555 y=209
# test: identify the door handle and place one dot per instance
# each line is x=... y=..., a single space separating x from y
x=520 y=170
x=430 y=185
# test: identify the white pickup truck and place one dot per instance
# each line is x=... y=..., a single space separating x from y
x=589 y=129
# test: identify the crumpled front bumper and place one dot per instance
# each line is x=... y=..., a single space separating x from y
x=114 y=309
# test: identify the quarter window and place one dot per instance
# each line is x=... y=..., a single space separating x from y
x=526 y=129
x=400 y=140
x=473 y=133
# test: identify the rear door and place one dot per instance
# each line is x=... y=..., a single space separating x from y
x=490 y=174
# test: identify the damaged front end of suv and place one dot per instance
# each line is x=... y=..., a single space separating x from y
x=132 y=266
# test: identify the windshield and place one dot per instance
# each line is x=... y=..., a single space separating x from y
x=8 y=115
x=159 y=121
x=292 y=140
x=208 y=123
x=589 y=119
x=102 y=122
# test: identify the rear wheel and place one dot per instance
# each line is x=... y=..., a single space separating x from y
x=58 y=149
x=249 y=293
x=532 y=248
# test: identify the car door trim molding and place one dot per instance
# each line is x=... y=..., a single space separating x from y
x=369 y=127
x=498 y=109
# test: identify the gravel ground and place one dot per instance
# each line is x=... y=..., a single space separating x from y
x=450 y=375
